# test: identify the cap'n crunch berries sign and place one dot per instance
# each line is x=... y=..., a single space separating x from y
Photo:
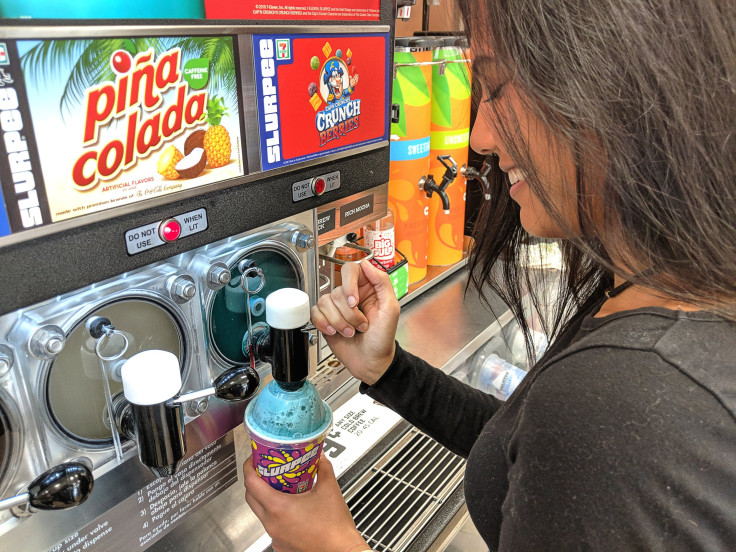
x=313 y=99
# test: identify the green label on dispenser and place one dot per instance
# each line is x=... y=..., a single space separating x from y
x=400 y=280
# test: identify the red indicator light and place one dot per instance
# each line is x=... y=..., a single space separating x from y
x=319 y=186
x=169 y=230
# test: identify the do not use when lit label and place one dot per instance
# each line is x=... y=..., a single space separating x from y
x=147 y=237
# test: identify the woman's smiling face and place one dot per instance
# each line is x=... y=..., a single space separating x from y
x=553 y=161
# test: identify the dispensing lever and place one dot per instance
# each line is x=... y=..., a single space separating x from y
x=429 y=186
x=150 y=409
x=471 y=173
x=237 y=384
x=63 y=486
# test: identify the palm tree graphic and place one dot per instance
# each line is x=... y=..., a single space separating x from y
x=87 y=63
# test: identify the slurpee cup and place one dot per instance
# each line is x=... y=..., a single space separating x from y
x=287 y=428
x=449 y=135
x=410 y=151
x=288 y=420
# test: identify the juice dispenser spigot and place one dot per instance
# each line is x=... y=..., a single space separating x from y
x=150 y=412
x=429 y=186
x=471 y=173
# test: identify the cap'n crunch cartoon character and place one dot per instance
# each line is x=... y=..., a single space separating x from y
x=332 y=77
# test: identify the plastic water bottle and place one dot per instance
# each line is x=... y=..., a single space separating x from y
x=499 y=378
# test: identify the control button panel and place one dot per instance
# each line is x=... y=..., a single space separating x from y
x=165 y=231
x=315 y=186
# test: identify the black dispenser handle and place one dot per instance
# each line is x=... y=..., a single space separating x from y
x=429 y=186
x=471 y=173
x=237 y=384
x=64 y=486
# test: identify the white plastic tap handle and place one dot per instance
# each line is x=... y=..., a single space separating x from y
x=151 y=377
x=287 y=309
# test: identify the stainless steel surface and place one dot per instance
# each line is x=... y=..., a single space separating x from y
x=460 y=536
x=380 y=205
x=36 y=439
x=444 y=326
x=401 y=492
x=13 y=501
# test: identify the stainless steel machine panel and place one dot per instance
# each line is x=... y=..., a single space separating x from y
x=59 y=380
x=150 y=259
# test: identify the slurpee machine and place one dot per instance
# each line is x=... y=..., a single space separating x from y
x=161 y=168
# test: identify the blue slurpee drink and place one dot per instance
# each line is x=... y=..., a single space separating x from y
x=288 y=421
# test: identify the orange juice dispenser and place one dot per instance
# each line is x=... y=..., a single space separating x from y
x=410 y=148
x=449 y=141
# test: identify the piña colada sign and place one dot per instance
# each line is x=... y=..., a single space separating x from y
x=120 y=120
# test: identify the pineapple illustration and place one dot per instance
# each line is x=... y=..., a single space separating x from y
x=167 y=163
x=217 y=139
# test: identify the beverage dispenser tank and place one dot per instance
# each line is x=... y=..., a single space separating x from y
x=160 y=179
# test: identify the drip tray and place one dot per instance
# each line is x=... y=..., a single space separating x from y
x=400 y=493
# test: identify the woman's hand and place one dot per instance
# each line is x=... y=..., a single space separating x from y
x=365 y=302
x=316 y=520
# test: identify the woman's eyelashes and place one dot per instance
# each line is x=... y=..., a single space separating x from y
x=495 y=93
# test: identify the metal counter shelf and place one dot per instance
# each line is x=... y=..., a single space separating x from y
x=461 y=324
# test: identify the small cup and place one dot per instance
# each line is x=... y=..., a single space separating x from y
x=288 y=465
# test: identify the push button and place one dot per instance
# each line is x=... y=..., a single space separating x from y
x=318 y=186
x=169 y=230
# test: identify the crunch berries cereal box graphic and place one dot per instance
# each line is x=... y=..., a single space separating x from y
x=122 y=120
x=320 y=94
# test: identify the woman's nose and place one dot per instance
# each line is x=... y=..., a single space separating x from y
x=483 y=138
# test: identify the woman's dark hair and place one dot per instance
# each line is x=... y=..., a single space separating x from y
x=643 y=92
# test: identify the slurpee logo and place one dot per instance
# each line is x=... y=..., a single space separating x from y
x=285 y=468
x=337 y=81
x=136 y=100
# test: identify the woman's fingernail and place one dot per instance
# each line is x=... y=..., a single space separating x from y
x=351 y=301
x=363 y=327
x=348 y=332
x=330 y=330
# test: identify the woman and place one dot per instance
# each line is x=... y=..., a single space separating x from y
x=614 y=125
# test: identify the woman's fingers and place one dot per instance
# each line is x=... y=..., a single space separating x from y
x=320 y=321
x=351 y=315
x=332 y=313
x=379 y=280
x=351 y=276
x=252 y=494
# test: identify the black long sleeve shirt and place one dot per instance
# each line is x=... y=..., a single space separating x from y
x=624 y=439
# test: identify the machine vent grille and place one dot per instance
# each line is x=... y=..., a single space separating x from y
x=396 y=498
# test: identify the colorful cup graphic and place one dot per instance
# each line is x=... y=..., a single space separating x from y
x=449 y=135
x=287 y=434
x=410 y=151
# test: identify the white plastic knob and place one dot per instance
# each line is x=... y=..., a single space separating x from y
x=287 y=309
x=151 y=377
